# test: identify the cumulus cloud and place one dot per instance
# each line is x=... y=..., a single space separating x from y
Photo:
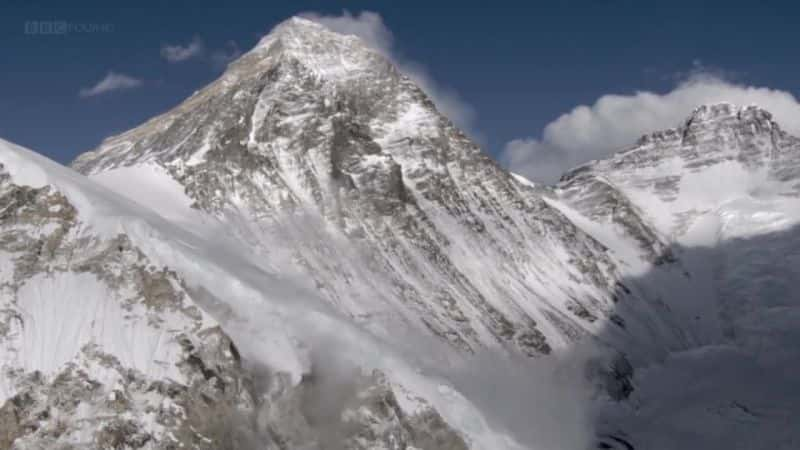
x=112 y=82
x=369 y=26
x=616 y=121
x=178 y=53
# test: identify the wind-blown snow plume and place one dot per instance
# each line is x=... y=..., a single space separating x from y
x=112 y=82
x=220 y=58
x=494 y=399
x=175 y=53
x=370 y=27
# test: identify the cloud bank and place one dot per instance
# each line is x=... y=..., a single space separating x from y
x=616 y=121
x=369 y=26
x=178 y=53
x=112 y=82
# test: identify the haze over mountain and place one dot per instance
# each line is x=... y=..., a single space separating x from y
x=307 y=254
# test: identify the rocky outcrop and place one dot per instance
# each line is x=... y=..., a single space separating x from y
x=68 y=378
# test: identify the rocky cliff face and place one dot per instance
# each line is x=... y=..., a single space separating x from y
x=101 y=348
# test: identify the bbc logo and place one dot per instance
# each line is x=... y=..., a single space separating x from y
x=62 y=27
x=46 y=27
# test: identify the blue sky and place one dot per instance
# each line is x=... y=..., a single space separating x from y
x=519 y=66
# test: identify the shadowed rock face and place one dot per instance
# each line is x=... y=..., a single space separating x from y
x=315 y=139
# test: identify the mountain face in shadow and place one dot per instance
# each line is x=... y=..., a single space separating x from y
x=737 y=391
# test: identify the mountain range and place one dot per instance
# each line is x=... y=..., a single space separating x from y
x=306 y=254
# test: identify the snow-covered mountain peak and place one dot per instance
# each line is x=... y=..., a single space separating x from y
x=315 y=139
x=322 y=162
x=298 y=71
x=728 y=115
x=713 y=118
x=319 y=159
x=713 y=111
x=330 y=55
x=725 y=110
x=298 y=29
x=297 y=24
x=722 y=152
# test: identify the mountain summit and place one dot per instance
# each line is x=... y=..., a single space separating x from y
x=315 y=138
x=330 y=55
x=298 y=55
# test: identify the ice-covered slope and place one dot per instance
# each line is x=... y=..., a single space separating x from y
x=394 y=215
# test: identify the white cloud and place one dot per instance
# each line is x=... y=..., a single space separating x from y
x=112 y=82
x=616 y=121
x=179 y=53
x=369 y=26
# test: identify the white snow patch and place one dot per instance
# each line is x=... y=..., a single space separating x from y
x=152 y=187
x=62 y=312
